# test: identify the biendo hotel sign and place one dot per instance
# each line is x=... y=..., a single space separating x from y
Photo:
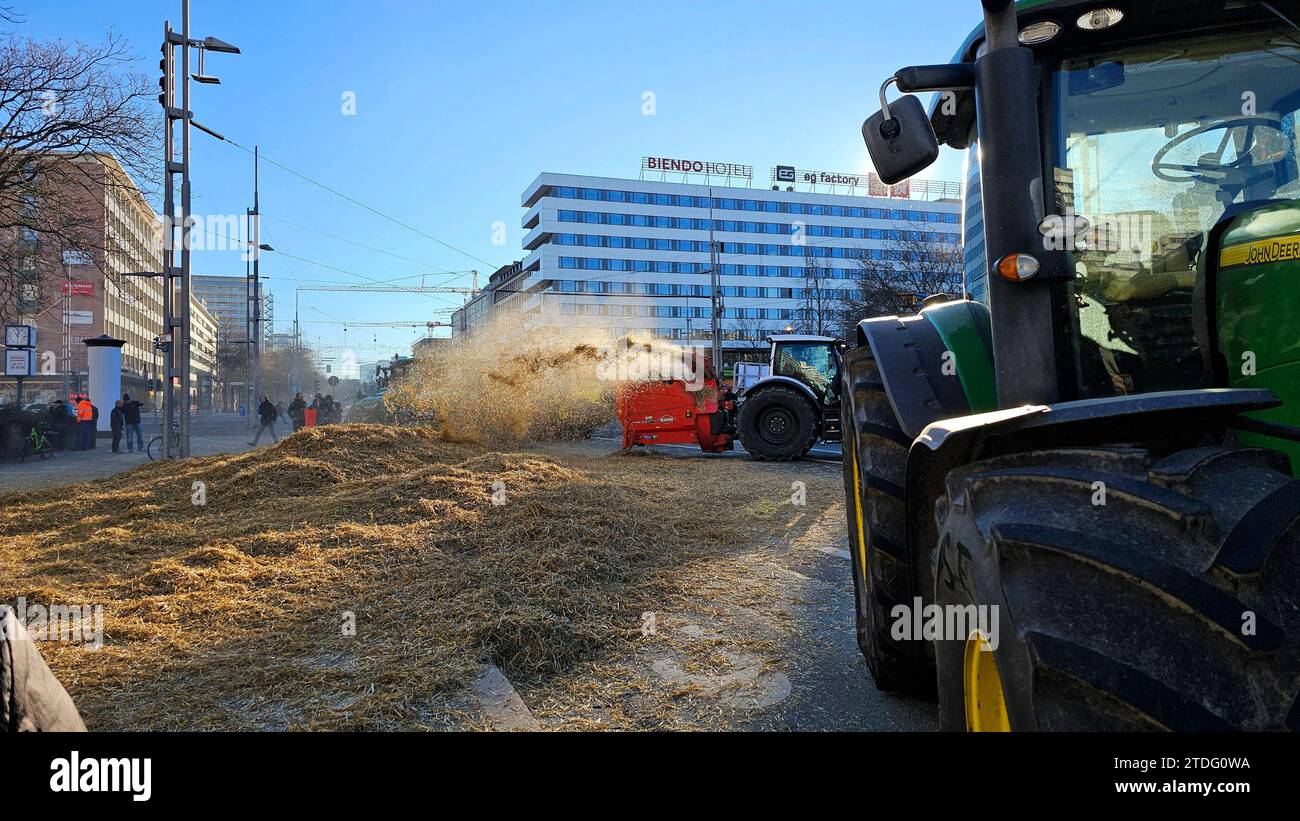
x=675 y=165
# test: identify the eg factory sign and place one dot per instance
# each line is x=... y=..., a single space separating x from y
x=863 y=184
x=784 y=176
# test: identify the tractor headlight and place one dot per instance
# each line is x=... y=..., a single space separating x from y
x=1017 y=267
x=1098 y=19
x=1036 y=33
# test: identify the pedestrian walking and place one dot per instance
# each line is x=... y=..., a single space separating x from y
x=131 y=415
x=266 y=415
x=296 y=408
x=117 y=422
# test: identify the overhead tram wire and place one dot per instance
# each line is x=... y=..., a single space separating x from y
x=358 y=203
x=293 y=278
x=493 y=266
x=377 y=250
x=372 y=280
x=412 y=228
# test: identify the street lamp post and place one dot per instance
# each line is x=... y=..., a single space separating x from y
x=715 y=297
x=294 y=389
x=254 y=296
x=171 y=272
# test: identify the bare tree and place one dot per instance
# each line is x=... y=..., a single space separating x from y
x=913 y=264
x=821 y=307
x=278 y=367
x=752 y=332
x=232 y=364
x=74 y=122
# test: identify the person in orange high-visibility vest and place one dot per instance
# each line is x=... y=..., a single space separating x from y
x=85 y=423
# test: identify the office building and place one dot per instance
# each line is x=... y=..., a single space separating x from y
x=72 y=295
x=632 y=255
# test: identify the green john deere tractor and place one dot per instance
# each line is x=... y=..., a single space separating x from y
x=1077 y=481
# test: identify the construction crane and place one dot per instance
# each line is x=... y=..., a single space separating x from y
x=400 y=289
x=376 y=289
x=389 y=324
x=347 y=323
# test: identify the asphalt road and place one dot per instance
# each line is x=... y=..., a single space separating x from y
x=830 y=686
x=823 y=451
x=209 y=434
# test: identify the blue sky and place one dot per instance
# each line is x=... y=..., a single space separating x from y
x=460 y=105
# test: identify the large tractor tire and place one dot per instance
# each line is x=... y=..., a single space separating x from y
x=875 y=461
x=1134 y=591
x=777 y=424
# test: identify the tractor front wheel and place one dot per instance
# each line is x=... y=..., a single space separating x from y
x=886 y=573
x=1119 y=589
x=777 y=424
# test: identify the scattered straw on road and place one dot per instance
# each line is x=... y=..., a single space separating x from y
x=237 y=614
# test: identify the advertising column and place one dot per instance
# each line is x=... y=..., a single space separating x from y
x=104 y=363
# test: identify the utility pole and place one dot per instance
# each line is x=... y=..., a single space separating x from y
x=185 y=232
x=179 y=349
x=67 y=329
x=296 y=349
x=170 y=167
x=715 y=294
x=248 y=306
x=253 y=325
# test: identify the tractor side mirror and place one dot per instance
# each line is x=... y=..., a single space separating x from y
x=899 y=138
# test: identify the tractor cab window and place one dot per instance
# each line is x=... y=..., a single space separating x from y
x=1153 y=143
x=810 y=362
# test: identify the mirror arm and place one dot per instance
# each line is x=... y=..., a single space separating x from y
x=947 y=77
x=1000 y=27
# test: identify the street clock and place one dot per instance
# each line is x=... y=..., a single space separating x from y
x=20 y=336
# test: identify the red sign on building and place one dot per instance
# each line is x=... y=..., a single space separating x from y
x=79 y=288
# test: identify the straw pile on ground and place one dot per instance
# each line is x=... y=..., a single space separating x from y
x=233 y=615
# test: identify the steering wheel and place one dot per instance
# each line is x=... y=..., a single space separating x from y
x=1211 y=168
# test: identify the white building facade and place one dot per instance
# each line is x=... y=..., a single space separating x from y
x=633 y=255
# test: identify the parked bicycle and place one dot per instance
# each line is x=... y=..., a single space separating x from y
x=37 y=442
x=155 y=448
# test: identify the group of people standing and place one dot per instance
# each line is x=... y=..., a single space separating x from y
x=322 y=410
x=78 y=419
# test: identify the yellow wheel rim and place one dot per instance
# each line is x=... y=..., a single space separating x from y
x=986 y=707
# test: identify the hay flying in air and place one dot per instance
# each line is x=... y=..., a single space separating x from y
x=506 y=384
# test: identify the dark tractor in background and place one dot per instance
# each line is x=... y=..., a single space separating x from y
x=796 y=404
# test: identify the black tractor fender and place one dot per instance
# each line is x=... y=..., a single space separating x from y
x=909 y=353
x=788 y=382
x=1169 y=419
